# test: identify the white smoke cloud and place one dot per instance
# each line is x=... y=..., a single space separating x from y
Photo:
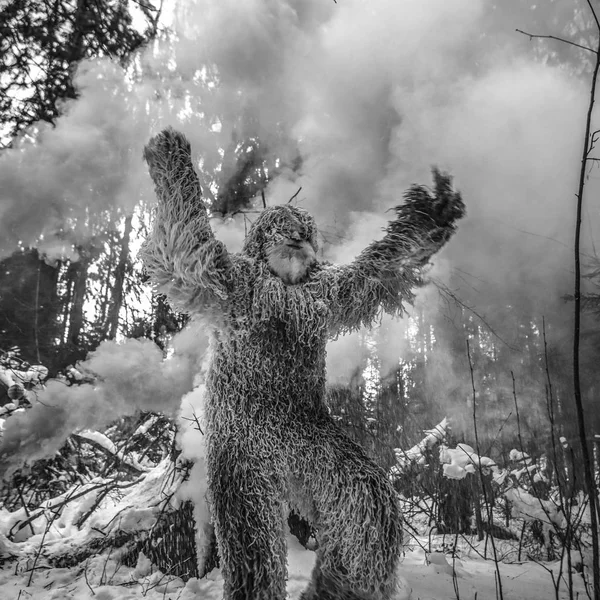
x=372 y=93
x=61 y=187
x=128 y=377
x=375 y=93
x=360 y=59
x=515 y=149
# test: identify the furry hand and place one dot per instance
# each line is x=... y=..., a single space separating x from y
x=425 y=222
x=169 y=148
x=448 y=206
x=432 y=218
x=442 y=209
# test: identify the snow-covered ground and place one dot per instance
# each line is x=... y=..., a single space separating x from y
x=424 y=577
x=133 y=506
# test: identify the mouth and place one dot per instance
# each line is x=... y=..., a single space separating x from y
x=293 y=245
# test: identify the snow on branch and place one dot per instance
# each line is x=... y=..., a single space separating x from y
x=56 y=504
x=417 y=453
x=93 y=509
x=530 y=508
x=20 y=383
x=127 y=376
x=101 y=442
x=458 y=462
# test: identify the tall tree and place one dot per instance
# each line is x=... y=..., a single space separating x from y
x=29 y=306
x=41 y=44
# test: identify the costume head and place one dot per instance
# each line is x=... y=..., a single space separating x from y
x=286 y=238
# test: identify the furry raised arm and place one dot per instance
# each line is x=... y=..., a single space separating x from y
x=385 y=273
x=181 y=254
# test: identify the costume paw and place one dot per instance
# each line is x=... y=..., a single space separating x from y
x=438 y=211
x=448 y=206
x=167 y=145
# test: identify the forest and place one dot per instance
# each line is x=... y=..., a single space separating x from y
x=480 y=402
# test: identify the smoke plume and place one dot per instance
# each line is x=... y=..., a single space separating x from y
x=371 y=93
x=375 y=93
x=127 y=377
x=59 y=184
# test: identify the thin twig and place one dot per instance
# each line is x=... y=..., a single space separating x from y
x=499 y=592
x=73 y=496
x=114 y=457
x=194 y=419
x=553 y=37
x=37 y=310
x=566 y=536
x=445 y=290
x=86 y=577
x=299 y=189
x=88 y=513
x=103 y=576
x=27 y=513
x=50 y=522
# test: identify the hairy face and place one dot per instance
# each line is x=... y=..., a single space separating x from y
x=285 y=237
x=291 y=258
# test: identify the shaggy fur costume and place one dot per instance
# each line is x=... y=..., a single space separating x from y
x=271 y=442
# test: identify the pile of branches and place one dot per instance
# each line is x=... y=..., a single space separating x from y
x=91 y=468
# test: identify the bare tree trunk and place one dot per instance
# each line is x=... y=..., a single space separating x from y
x=117 y=292
x=588 y=146
x=69 y=284
x=477 y=508
x=589 y=142
x=104 y=298
x=78 y=272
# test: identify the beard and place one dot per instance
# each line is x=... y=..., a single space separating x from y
x=291 y=261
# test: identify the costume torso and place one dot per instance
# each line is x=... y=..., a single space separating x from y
x=268 y=356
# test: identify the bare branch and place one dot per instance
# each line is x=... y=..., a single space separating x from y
x=194 y=419
x=118 y=459
x=594 y=139
x=86 y=577
x=553 y=37
x=299 y=189
x=62 y=501
x=445 y=291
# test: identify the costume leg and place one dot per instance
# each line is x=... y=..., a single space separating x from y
x=357 y=517
x=246 y=500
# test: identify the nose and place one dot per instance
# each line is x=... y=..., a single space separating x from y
x=295 y=236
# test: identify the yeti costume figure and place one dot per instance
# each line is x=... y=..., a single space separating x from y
x=271 y=443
